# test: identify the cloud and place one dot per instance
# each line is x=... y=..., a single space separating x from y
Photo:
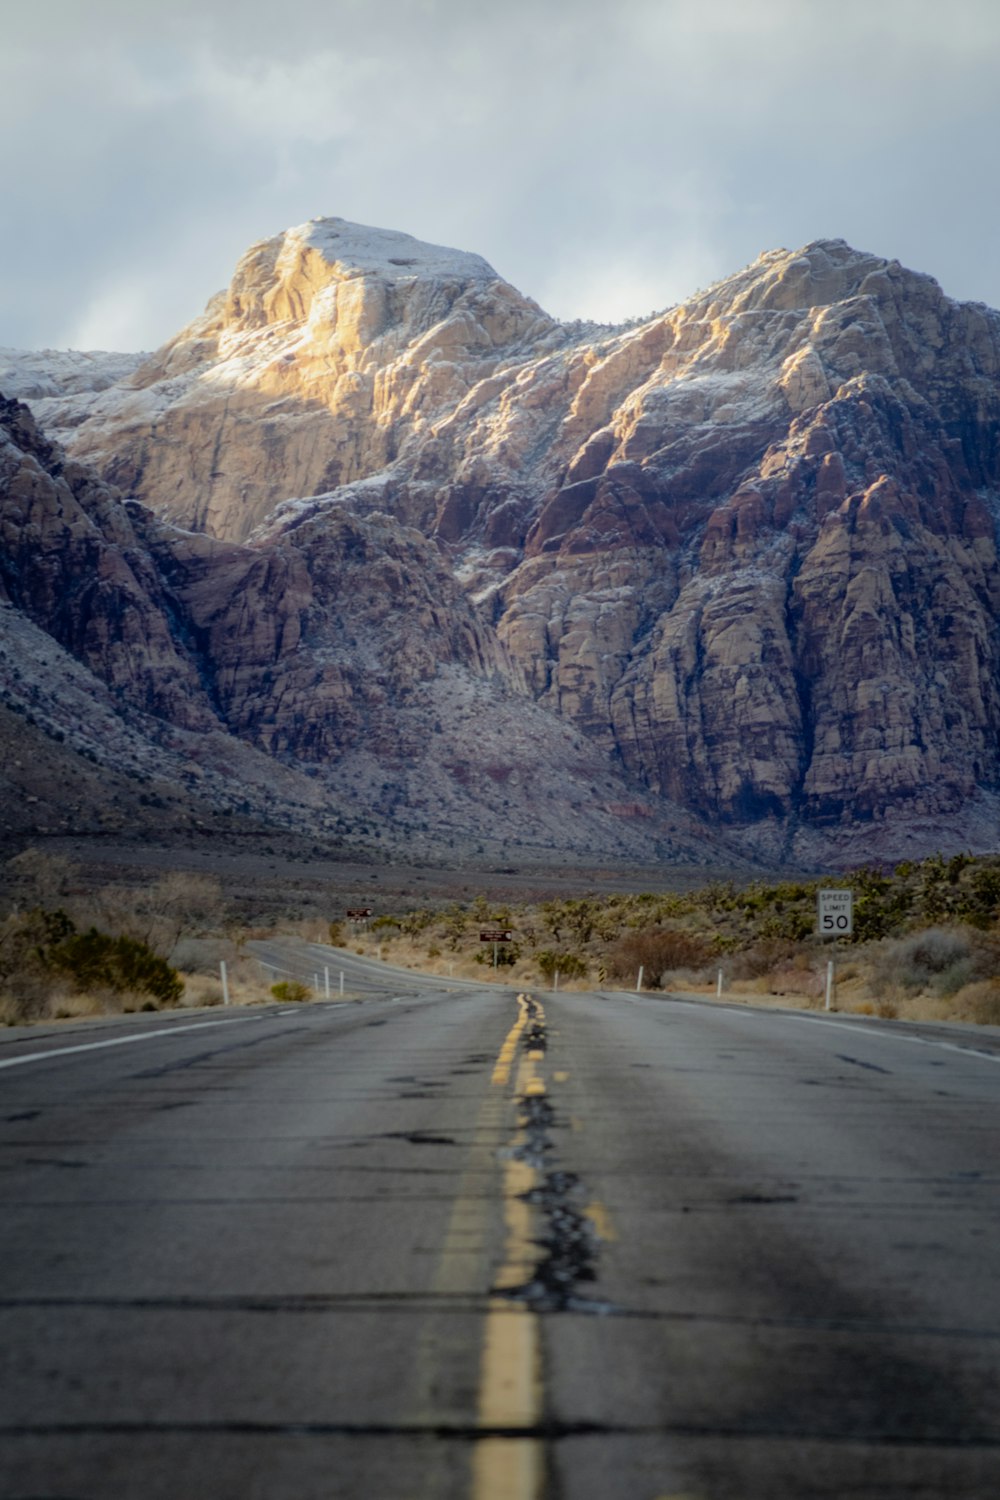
x=115 y=314
x=317 y=99
x=592 y=151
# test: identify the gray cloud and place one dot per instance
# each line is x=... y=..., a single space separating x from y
x=607 y=156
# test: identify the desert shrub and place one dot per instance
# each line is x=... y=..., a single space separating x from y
x=793 y=978
x=762 y=957
x=981 y=1001
x=415 y=922
x=28 y=997
x=941 y=960
x=94 y=960
x=551 y=962
x=336 y=935
x=453 y=926
x=386 y=924
x=38 y=880
x=882 y=904
x=158 y=915
x=202 y=991
x=28 y=983
x=290 y=990
x=981 y=901
x=507 y=954
x=657 y=951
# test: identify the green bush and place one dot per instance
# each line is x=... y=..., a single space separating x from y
x=566 y=965
x=291 y=990
x=94 y=960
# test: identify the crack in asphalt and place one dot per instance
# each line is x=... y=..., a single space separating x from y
x=858 y=1063
x=550 y=1430
x=419 y=1138
x=463 y=1303
x=569 y=1242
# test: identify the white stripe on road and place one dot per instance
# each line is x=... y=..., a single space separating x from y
x=902 y=1036
x=116 y=1041
x=871 y=1033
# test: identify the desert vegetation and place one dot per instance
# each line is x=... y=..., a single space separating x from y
x=926 y=941
x=68 y=949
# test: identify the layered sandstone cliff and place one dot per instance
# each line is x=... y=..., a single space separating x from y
x=749 y=547
x=331 y=352
x=333 y=677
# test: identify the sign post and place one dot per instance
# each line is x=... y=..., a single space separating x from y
x=835 y=918
x=496 y=936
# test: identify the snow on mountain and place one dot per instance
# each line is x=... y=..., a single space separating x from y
x=748 y=547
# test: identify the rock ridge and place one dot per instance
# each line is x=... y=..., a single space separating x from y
x=748 y=546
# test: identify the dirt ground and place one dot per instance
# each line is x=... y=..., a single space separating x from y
x=279 y=878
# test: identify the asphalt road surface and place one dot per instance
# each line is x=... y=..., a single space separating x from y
x=446 y=1244
x=320 y=968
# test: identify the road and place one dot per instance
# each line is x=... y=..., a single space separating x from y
x=314 y=964
x=449 y=1244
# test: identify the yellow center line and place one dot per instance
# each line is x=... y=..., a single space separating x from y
x=505 y=1059
x=510 y=1381
x=602 y=1221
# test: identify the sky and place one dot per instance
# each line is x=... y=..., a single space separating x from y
x=608 y=157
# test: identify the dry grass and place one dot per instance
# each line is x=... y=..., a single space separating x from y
x=979 y=1002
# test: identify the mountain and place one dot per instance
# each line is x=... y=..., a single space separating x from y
x=331 y=679
x=745 y=551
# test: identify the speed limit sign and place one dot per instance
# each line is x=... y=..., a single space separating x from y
x=836 y=913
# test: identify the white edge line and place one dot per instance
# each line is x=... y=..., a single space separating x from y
x=840 y=1025
x=901 y=1036
x=116 y=1041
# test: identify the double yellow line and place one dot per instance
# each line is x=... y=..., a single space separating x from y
x=511 y=1467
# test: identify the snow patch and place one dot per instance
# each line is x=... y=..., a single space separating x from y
x=31 y=374
x=360 y=250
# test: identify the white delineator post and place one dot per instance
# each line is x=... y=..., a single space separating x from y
x=225 y=984
x=638 y=983
x=326 y=981
x=341 y=981
x=829 y=983
x=718 y=986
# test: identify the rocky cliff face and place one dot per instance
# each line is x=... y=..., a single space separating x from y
x=747 y=547
x=331 y=353
x=333 y=678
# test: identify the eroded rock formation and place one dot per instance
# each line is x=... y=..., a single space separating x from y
x=749 y=546
x=333 y=677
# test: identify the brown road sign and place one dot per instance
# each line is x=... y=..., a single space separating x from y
x=495 y=935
